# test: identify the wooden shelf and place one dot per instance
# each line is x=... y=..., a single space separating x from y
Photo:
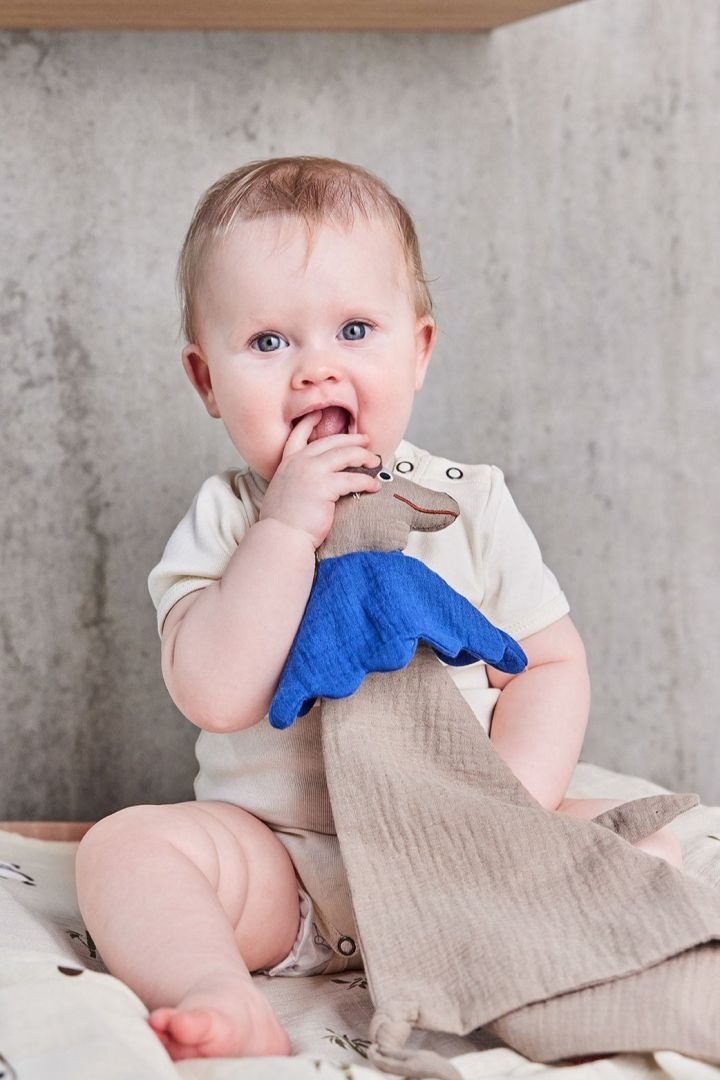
x=268 y=14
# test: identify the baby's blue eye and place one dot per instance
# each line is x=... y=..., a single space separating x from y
x=265 y=338
x=357 y=322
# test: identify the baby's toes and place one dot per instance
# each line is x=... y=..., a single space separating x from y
x=159 y=1019
x=181 y=1031
x=193 y=1026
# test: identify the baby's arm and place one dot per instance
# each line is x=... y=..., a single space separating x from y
x=225 y=645
x=539 y=720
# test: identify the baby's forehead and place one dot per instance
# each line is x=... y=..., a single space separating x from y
x=273 y=234
x=367 y=250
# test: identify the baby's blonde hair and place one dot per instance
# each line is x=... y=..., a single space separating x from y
x=315 y=189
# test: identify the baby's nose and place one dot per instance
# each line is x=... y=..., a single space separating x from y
x=314 y=366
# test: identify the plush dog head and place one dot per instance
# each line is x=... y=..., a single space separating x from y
x=382 y=520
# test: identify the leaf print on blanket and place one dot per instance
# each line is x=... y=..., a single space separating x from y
x=6 y=1070
x=358 y=1045
x=358 y=981
x=12 y=872
x=85 y=948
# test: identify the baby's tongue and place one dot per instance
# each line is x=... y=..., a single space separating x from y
x=333 y=421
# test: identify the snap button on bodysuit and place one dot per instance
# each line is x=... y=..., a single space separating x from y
x=454 y=473
x=347 y=951
x=404 y=466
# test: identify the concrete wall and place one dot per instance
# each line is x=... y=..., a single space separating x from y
x=563 y=174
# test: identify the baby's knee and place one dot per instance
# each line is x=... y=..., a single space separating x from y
x=663 y=843
x=124 y=830
x=130 y=819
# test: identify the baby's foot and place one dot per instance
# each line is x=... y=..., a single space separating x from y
x=221 y=1018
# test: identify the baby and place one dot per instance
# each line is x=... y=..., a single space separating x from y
x=310 y=330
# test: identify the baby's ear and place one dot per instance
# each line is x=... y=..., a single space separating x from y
x=198 y=372
x=425 y=337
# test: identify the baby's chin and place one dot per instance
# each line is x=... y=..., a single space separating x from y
x=262 y=468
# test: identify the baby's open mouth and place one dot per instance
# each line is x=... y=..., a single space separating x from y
x=335 y=420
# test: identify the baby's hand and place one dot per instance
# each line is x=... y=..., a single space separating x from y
x=310 y=479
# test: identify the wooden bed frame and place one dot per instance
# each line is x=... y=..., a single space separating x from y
x=48 y=830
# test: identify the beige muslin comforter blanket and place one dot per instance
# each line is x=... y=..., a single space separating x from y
x=475 y=906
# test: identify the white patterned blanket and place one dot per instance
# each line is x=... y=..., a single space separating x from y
x=63 y=1016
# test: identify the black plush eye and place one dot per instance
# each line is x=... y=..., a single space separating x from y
x=384 y=475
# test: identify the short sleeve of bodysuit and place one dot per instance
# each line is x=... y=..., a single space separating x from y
x=201 y=545
x=521 y=595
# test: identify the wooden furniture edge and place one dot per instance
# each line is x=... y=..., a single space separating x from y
x=48 y=830
x=268 y=14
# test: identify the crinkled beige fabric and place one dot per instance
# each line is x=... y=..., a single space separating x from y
x=474 y=903
x=477 y=907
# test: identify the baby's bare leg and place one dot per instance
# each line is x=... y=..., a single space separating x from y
x=184 y=901
x=663 y=843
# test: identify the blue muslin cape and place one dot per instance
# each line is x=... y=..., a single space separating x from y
x=367 y=611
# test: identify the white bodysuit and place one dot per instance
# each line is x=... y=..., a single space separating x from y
x=488 y=554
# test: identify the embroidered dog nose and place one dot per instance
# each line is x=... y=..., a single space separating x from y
x=346 y=949
x=404 y=466
x=454 y=473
